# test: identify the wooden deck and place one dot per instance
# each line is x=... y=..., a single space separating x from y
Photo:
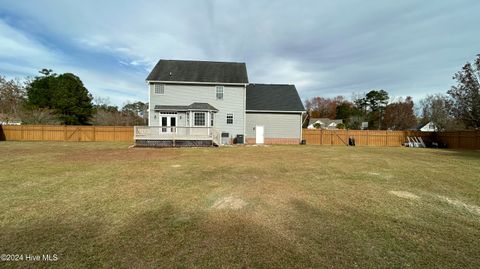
x=158 y=136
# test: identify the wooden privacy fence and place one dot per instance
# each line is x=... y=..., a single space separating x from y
x=464 y=139
x=461 y=139
x=66 y=133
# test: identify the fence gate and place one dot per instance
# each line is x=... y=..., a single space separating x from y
x=72 y=133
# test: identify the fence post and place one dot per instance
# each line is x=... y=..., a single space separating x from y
x=321 y=137
x=458 y=139
x=346 y=137
x=64 y=132
x=367 y=137
x=477 y=138
x=477 y=144
x=347 y=140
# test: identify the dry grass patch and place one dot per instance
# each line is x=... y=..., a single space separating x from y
x=229 y=202
x=107 y=205
x=405 y=194
x=459 y=204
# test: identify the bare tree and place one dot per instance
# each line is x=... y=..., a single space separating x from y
x=438 y=109
x=466 y=94
x=320 y=107
x=106 y=114
x=12 y=97
x=399 y=115
x=39 y=116
x=138 y=108
x=99 y=101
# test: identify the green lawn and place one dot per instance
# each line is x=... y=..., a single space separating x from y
x=107 y=205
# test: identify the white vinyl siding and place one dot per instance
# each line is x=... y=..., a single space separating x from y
x=178 y=94
x=277 y=125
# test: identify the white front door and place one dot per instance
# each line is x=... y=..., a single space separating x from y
x=259 y=134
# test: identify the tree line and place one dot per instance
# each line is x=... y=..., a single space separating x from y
x=457 y=109
x=52 y=98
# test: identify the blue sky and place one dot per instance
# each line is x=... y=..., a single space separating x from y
x=325 y=48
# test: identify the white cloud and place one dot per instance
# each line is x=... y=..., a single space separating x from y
x=20 y=54
x=326 y=48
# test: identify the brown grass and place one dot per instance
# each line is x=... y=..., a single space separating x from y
x=107 y=205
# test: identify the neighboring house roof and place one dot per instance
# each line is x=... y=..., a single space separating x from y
x=429 y=127
x=273 y=97
x=193 y=106
x=324 y=121
x=199 y=71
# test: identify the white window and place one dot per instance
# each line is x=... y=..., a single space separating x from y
x=199 y=119
x=159 y=88
x=219 y=90
x=229 y=118
x=211 y=119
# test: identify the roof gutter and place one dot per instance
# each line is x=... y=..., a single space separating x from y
x=275 y=111
x=197 y=82
x=184 y=109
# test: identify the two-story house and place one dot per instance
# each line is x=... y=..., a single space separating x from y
x=199 y=103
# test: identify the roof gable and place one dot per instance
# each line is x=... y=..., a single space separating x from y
x=199 y=71
x=273 y=97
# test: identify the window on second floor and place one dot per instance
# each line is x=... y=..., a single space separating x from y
x=159 y=88
x=219 y=91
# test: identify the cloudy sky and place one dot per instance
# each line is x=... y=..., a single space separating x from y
x=325 y=48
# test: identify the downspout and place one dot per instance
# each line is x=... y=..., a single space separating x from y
x=244 y=113
x=301 y=126
x=149 y=105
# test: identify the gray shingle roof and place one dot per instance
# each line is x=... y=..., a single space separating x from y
x=193 y=106
x=199 y=71
x=172 y=108
x=201 y=106
x=273 y=97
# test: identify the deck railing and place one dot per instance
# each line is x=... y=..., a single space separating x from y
x=176 y=133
